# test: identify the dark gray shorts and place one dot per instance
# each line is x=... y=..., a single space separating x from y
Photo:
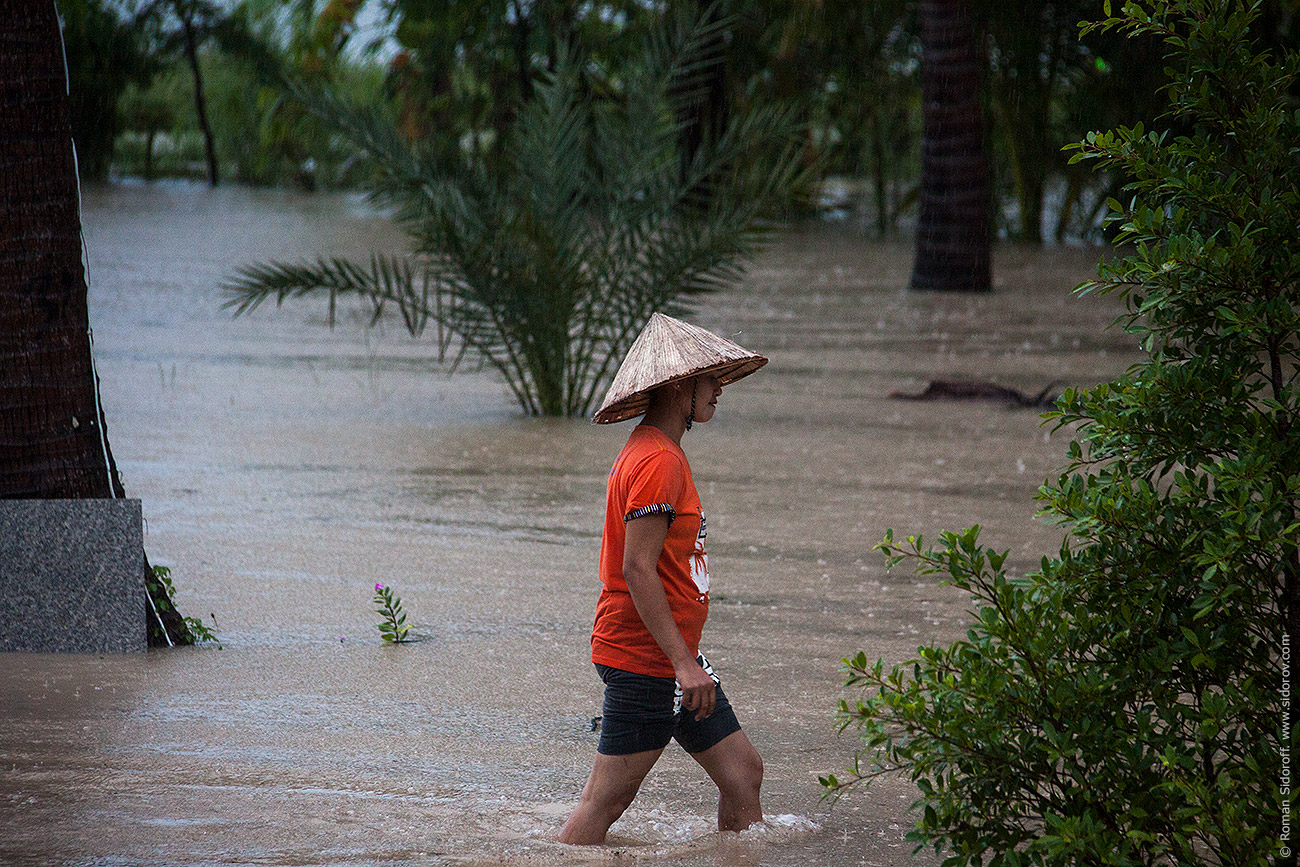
x=638 y=716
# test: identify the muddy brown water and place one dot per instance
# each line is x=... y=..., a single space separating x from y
x=285 y=469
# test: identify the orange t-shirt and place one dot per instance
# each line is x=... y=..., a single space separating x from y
x=651 y=476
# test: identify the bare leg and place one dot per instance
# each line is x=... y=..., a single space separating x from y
x=613 y=784
x=735 y=766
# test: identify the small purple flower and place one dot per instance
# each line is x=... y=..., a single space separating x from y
x=379 y=587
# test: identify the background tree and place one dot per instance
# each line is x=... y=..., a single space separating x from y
x=548 y=264
x=309 y=43
x=1121 y=704
x=1116 y=83
x=466 y=70
x=53 y=442
x=106 y=53
x=874 y=92
x=149 y=114
x=1046 y=88
x=849 y=71
x=953 y=233
x=181 y=28
x=1034 y=58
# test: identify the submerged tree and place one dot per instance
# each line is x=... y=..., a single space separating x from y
x=547 y=267
x=53 y=444
x=195 y=23
x=953 y=233
x=1123 y=704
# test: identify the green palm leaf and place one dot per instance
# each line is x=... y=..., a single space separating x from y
x=548 y=269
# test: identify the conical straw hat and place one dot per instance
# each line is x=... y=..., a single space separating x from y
x=667 y=350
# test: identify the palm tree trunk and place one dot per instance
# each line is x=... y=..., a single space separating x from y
x=53 y=443
x=49 y=421
x=953 y=235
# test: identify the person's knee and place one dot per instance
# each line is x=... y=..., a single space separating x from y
x=753 y=770
x=744 y=776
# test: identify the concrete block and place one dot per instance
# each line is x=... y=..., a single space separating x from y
x=72 y=576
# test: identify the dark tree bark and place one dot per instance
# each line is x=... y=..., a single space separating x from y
x=953 y=235
x=186 y=16
x=53 y=443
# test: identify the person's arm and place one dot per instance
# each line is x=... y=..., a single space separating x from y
x=642 y=546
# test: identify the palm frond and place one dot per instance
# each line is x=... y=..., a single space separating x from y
x=389 y=282
x=421 y=184
x=549 y=269
x=683 y=53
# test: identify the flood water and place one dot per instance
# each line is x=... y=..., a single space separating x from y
x=285 y=469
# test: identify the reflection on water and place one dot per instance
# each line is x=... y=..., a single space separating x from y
x=285 y=468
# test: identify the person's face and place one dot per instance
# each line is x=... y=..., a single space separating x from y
x=707 y=390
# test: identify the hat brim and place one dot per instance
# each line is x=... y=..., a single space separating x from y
x=637 y=403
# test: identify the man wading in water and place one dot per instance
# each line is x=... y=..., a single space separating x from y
x=656 y=588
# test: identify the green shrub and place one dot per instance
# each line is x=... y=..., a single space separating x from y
x=1121 y=704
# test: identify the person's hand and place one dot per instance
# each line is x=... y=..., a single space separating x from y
x=699 y=692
